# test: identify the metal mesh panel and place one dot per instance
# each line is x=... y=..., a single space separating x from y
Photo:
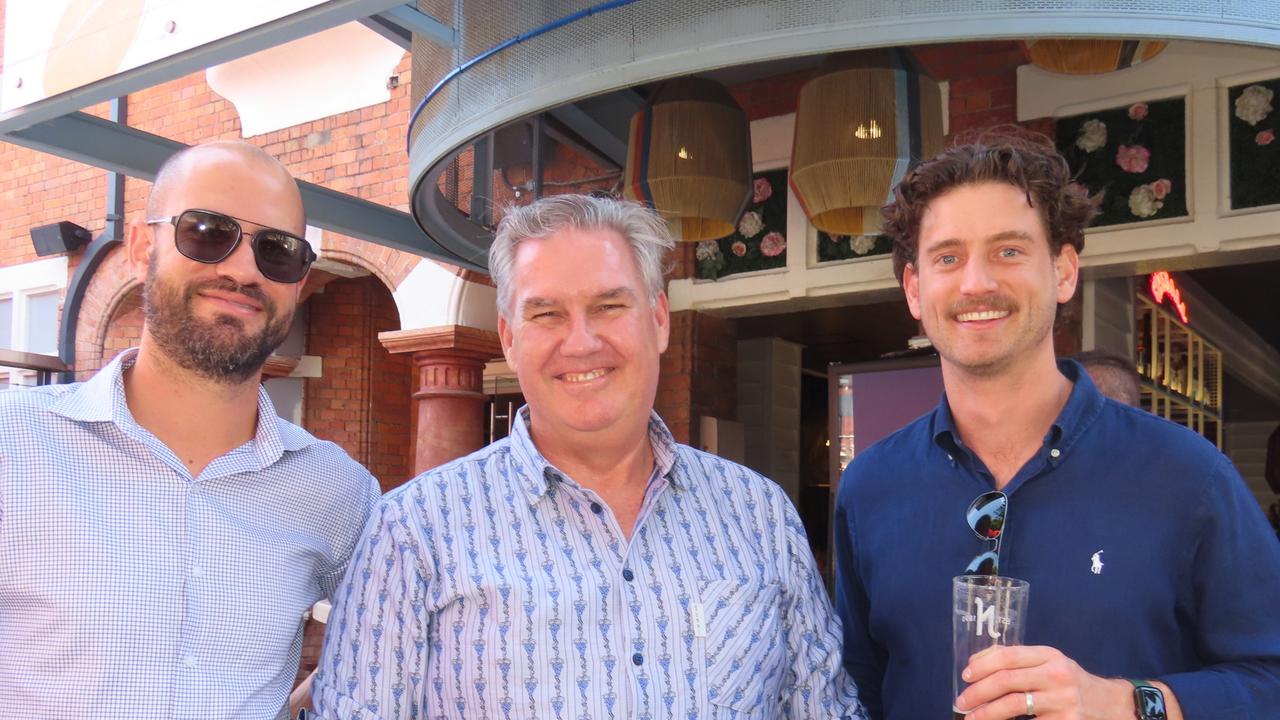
x=668 y=37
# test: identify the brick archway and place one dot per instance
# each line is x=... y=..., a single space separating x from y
x=388 y=265
x=110 y=286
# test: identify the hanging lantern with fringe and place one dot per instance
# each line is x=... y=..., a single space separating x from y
x=1092 y=56
x=689 y=157
x=859 y=123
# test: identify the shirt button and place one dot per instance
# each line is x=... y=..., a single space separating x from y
x=196 y=572
x=628 y=575
x=189 y=662
x=595 y=508
x=1055 y=452
x=637 y=659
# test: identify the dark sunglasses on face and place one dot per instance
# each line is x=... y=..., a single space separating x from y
x=210 y=237
x=986 y=516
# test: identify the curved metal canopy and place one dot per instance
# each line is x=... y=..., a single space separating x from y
x=533 y=66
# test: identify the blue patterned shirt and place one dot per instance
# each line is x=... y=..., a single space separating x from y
x=497 y=587
x=129 y=589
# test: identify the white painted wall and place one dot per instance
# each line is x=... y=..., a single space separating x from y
x=293 y=83
x=431 y=296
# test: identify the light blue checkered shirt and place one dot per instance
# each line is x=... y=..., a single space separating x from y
x=497 y=587
x=129 y=589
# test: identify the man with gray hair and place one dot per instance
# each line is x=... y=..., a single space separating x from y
x=587 y=566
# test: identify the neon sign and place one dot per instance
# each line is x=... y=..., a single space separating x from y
x=1163 y=286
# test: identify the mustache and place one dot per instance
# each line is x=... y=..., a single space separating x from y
x=226 y=284
x=994 y=302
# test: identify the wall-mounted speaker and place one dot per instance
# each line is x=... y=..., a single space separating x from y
x=60 y=237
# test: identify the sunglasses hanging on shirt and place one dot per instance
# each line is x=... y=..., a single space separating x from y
x=986 y=517
x=210 y=237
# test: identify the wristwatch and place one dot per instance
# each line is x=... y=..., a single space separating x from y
x=1148 y=700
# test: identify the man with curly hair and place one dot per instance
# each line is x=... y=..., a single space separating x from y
x=1153 y=573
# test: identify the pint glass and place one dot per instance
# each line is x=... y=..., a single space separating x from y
x=986 y=610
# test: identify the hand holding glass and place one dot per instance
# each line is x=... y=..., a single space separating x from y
x=987 y=610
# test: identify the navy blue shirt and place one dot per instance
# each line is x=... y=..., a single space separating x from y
x=1188 y=583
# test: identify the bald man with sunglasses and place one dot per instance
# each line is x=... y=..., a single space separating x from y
x=162 y=531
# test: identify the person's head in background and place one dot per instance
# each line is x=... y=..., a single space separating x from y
x=1112 y=373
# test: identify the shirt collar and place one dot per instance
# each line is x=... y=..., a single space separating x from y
x=535 y=473
x=1082 y=408
x=101 y=399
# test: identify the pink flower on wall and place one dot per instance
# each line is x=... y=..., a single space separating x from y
x=739 y=248
x=773 y=244
x=1161 y=188
x=1133 y=158
x=1266 y=137
x=761 y=191
x=1137 y=111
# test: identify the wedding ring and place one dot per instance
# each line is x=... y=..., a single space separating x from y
x=1031 y=705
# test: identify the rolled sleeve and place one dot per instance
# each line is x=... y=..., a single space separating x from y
x=375 y=651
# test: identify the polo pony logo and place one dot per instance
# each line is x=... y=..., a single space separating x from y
x=1096 y=560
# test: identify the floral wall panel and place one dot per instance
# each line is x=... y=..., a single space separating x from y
x=843 y=247
x=1255 y=154
x=760 y=242
x=1135 y=156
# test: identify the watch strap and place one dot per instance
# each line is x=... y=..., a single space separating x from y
x=1148 y=701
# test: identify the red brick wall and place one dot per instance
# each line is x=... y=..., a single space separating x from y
x=38 y=189
x=361 y=401
x=770 y=96
x=312 y=644
x=124 y=330
x=983 y=101
x=391 y=420
x=699 y=373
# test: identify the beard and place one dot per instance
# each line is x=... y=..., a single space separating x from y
x=218 y=349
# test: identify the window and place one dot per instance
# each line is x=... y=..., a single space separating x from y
x=42 y=323
x=30 y=300
x=6 y=322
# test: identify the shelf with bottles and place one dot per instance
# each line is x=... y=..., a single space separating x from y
x=1181 y=371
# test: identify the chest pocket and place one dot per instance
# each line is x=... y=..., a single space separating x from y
x=744 y=647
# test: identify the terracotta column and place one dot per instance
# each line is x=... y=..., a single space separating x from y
x=449 y=362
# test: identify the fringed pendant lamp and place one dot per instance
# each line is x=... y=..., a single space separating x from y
x=859 y=124
x=689 y=157
x=1092 y=56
